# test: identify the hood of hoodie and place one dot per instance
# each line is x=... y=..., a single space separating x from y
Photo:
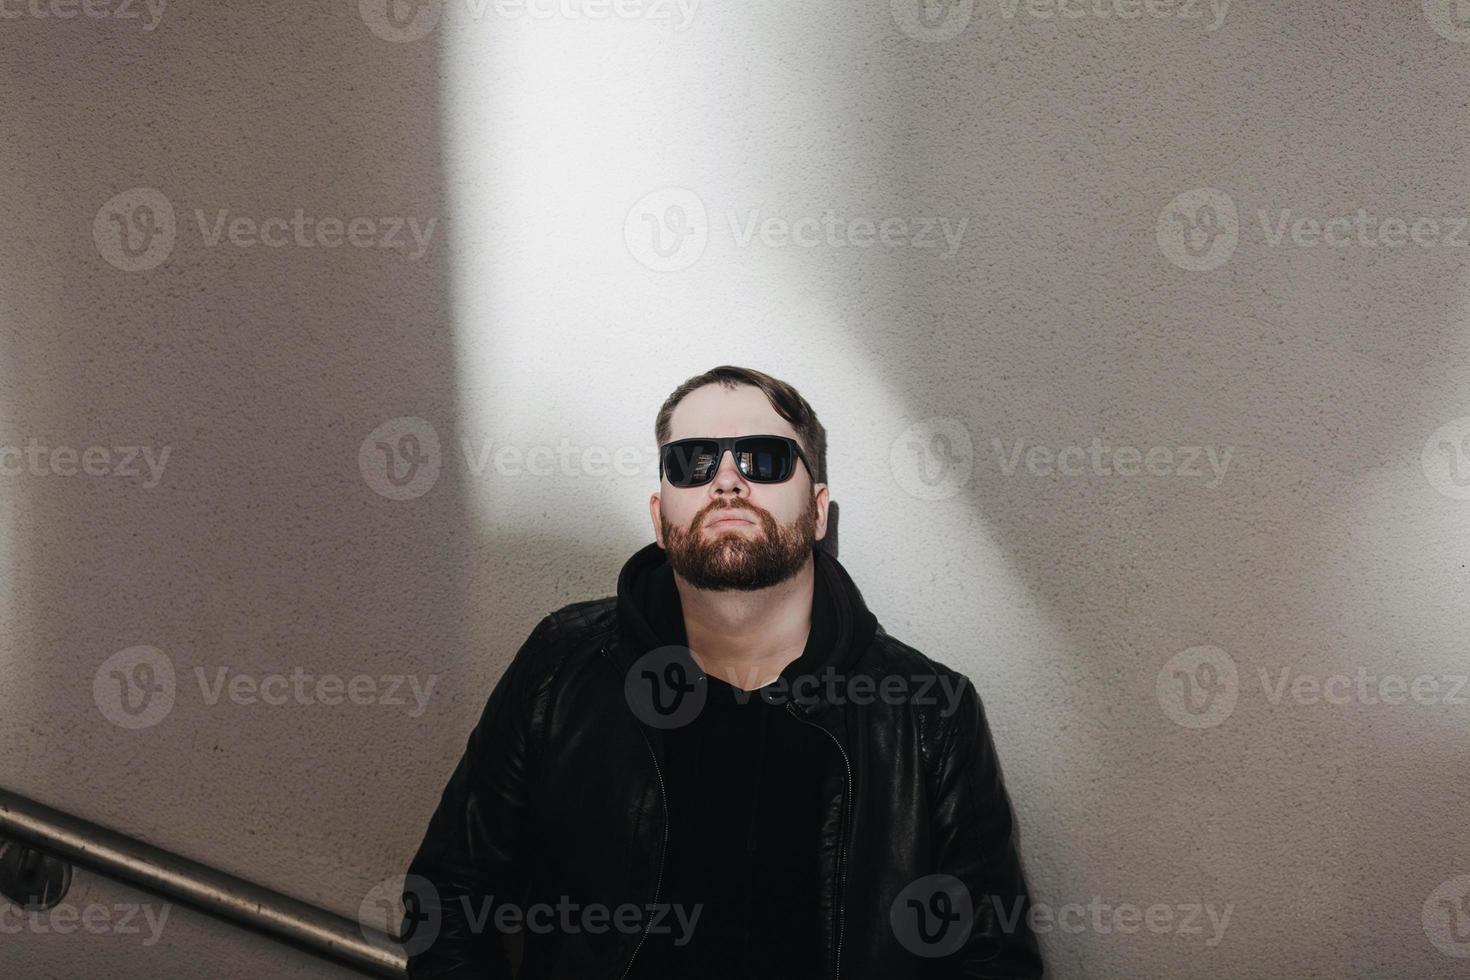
x=639 y=587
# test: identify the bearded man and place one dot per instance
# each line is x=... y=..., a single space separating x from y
x=729 y=768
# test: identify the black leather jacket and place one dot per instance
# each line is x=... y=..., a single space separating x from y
x=558 y=798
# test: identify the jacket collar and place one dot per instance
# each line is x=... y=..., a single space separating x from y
x=854 y=629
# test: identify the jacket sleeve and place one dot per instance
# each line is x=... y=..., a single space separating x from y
x=471 y=858
x=975 y=841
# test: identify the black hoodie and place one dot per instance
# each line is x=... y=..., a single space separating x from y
x=743 y=783
x=647 y=571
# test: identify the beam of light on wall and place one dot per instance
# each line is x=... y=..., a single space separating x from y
x=571 y=145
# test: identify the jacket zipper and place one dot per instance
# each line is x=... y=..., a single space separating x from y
x=841 y=839
x=659 y=880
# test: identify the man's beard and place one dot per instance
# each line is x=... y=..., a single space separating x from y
x=723 y=560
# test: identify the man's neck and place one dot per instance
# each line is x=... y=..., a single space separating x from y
x=747 y=638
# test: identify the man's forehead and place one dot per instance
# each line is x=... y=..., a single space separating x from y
x=714 y=410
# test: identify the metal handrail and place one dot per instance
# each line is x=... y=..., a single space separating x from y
x=199 y=886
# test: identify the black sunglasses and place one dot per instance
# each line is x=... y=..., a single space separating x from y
x=760 y=459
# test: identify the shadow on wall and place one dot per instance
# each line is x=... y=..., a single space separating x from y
x=295 y=301
x=1305 y=371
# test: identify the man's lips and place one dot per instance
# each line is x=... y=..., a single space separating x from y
x=729 y=521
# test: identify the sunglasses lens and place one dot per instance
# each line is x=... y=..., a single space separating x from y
x=690 y=462
x=764 y=460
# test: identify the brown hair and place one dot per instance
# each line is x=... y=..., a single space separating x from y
x=786 y=400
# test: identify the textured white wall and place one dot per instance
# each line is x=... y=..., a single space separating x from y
x=1065 y=307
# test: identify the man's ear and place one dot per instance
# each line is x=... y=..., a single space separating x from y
x=655 y=512
x=823 y=502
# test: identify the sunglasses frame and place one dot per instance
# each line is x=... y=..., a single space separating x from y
x=727 y=444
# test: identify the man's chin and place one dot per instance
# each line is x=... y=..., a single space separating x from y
x=733 y=567
x=730 y=580
x=724 y=568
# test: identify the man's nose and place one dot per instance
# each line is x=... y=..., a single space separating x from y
x=728 y=478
